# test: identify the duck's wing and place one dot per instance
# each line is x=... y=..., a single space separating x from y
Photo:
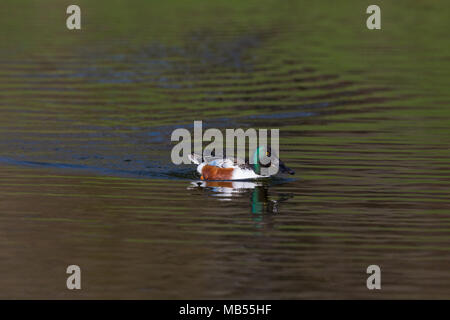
x=222 y=162
x=212 y=160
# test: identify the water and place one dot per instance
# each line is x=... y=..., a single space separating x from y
x=85 y=167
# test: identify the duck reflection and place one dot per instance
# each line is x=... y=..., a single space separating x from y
x=258 y=192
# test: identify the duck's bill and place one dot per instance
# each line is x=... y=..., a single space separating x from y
x=285 y=169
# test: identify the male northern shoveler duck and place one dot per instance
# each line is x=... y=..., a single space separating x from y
x=218 y=168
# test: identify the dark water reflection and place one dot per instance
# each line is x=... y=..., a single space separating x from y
x=256 y=191
x=85 y=170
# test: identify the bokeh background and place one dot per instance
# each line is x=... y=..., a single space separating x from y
x=86 y=177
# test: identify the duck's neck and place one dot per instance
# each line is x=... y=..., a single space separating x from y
x=256 y=165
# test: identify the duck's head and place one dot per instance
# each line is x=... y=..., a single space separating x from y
x=273 y=165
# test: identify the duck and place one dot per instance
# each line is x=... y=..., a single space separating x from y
x=226 y=169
